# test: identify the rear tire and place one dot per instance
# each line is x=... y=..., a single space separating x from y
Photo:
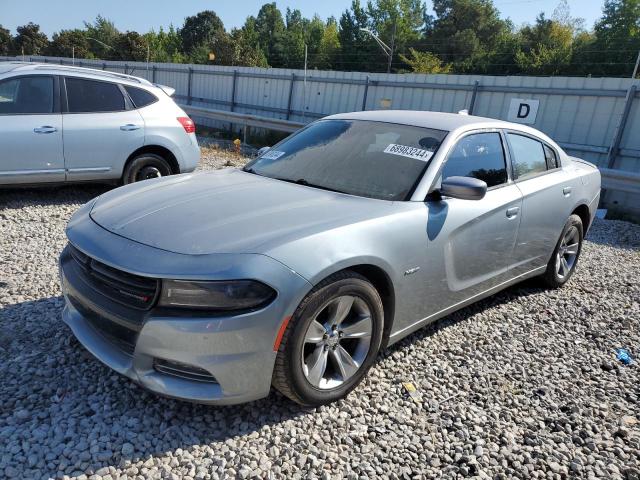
x=144 y=167
x=565 y=256
x=331 y=340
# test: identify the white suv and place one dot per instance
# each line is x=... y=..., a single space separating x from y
x=70 y=124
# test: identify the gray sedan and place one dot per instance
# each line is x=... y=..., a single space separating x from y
x=342 y=239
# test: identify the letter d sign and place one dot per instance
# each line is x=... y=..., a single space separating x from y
x=523 y=111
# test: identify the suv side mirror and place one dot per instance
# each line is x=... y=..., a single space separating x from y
x=263 y=150
x=465 y=188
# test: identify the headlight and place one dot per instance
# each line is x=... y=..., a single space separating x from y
x=215 y=295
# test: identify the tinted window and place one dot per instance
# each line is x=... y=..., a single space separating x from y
x=552 y=158
x=141 y=98
x=91 y=96
x=365 y=158
x=479 y=156
x=27 y=95
x=528 y=156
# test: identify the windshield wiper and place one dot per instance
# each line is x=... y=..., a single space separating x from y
x=302 y=181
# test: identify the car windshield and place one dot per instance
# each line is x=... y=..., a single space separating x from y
x=365 y=158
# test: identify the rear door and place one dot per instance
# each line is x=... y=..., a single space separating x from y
x=546 y=205
x=101 y=129
x=471 y=241
x=30 y=130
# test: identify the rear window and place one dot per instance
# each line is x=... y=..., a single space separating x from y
x=139 y=97
x=527 y=155
x=89 y=96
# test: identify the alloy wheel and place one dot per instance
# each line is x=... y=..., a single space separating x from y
x=337 y=342
x=147 y=173
x=567 y=252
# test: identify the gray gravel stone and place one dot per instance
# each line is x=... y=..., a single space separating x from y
x=513 y=387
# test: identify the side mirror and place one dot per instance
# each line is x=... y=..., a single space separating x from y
x=263 y=150
x=465 y=188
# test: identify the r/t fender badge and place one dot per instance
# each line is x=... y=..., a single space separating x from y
x=411 y=271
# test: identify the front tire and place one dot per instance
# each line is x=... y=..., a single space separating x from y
x=565 y=256
x=331 y=341
x=144 y=167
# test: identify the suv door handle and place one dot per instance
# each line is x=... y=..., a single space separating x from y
x=129 y=127
x=512 y=212
x=566 y=191
x=45 y=129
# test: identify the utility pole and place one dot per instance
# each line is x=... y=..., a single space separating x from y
x=393 y=45
x=73 y=54
x=635 y=69
x=304 y=86
x=388 y=51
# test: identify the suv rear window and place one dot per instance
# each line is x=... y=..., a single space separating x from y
x=87 y=96
x=139 y=97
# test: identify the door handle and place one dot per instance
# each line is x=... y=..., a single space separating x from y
x=512 y=212
x=566 y=191
x=45 y=129
x=129 y=127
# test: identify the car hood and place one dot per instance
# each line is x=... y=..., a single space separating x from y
x=226 y=211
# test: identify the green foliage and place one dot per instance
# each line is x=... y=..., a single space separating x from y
x=6 y=41
x=200 y=30
x=66 y=43
x=425 y=62
x=462 y=36
x=30 y=40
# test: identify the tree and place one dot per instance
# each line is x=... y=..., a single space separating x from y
x=67 y=42
x=397 y=22
x=200 y=30
x=329 y=48
x=357 y=48
x=466 y=33
x=6 y=41
x=424 y=62
x=30 y=40
x=270 y=29
x=617 y=38
x=165 y=46
x=131 y=46
x=547 y=47
x=102 y=35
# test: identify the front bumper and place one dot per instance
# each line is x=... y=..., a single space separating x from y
x=236 y=352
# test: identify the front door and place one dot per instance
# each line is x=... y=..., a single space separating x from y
x=30 y=131
x=471 y=242
x=100 y=130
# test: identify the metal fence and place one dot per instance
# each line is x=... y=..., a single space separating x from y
x=597 y=119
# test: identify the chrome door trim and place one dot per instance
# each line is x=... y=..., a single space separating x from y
x=435 y=316
x=88 y=169
x=31 y=172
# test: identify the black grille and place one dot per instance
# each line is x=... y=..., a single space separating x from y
x=131 y=290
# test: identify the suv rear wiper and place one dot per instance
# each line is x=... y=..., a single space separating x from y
x=302 y=181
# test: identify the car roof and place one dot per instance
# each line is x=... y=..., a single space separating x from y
x=421 y=118
x=67 y=69
x=449 y=122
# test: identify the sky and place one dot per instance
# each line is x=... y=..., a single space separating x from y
x=143 y=15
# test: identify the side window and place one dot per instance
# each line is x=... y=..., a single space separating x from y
x=552 y=158
x=480 y=156
x=140 y=97
x=528 y=156
x=88 y=96
x=26 y=95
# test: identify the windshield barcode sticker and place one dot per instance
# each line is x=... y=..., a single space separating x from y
x=272 y=154
x=411 y=152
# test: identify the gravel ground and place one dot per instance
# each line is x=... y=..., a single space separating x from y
x=522 y=385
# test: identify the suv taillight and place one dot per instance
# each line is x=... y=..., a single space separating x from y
x=187 y=124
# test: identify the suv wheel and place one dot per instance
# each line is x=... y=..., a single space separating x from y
x=331 y=341
x=144 y=167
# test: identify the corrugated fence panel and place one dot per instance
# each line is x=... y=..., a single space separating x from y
x=582 y=114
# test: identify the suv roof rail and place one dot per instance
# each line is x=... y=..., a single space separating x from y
x=93 y=71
